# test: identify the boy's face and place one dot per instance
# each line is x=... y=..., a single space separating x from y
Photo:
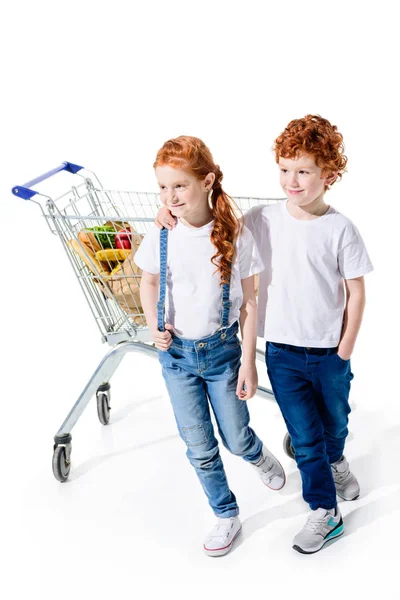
x=302 y=180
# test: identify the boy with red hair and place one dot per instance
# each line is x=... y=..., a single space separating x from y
x=311 y=302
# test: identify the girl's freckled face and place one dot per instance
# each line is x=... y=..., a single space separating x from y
x=181 y=192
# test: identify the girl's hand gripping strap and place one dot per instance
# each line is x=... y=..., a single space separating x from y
x=163 y=278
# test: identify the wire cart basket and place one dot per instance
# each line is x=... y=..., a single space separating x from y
x=100 y=230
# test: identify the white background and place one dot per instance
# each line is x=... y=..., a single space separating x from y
x=104 y=84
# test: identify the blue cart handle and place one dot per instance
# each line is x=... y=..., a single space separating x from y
x=24 y=191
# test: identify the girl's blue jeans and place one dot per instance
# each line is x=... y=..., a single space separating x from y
x=203 y=373
x=312 y=389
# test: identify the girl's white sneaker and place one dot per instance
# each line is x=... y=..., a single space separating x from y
x=270 y=470
x=220 y=539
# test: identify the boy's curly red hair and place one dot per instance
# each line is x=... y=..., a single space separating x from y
x=191 y=154
x=315 y=136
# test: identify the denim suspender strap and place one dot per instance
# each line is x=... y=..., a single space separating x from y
x=226 y=304
x=163 y=278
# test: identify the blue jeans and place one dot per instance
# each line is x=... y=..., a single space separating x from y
x=200 y=373
x=312 y=391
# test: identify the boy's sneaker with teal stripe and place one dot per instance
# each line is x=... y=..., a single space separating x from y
x=322 y=525
x=346 y=483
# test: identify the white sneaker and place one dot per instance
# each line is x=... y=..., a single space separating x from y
x=346 y=484
x=322 y=525
x=220 y=539
x=270 y=470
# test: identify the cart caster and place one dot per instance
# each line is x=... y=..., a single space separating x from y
x=103 y=403
x=62 y=462
x=287 y=446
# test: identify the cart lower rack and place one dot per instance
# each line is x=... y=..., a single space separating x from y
x=100 y=230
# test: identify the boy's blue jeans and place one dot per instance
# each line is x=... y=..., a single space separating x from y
x=200 y=373
x=312 y=389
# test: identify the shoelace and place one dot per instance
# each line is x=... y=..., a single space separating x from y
x=314 y=524
x=341 y=477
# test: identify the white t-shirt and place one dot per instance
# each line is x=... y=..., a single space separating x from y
x=301 y=291
x=194 y=295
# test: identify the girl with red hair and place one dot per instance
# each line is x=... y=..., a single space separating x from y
x=203 y=274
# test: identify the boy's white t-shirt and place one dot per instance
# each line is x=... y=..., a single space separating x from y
x=194 y=294
x=301 y=291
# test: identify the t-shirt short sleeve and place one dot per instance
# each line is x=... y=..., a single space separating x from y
x=253 y=220
x=147 y=256
x=258 y=225
x=250 y=262
x=353 y=259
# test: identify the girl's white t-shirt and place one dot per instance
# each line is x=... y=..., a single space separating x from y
x=194 y=294
x=301 y=291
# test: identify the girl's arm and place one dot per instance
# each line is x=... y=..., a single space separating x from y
x=355 y=303
x=248 y=326
x=149 y=289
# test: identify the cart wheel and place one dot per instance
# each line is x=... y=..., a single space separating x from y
x=103 y=407
x=287 y=446
x=61 y=466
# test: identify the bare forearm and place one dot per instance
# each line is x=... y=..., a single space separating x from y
x=149 y=289
x=149 y=298
x=352 y=321
x=248 y=327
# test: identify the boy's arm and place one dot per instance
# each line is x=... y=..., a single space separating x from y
x=355 y=303
x=149 y=289
x=164 y=218
x=248 y=326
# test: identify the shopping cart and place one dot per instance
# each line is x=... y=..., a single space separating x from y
x=100 y=230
